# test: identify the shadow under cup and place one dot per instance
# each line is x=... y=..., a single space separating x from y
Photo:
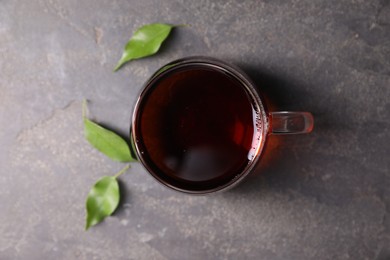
x=199 y=125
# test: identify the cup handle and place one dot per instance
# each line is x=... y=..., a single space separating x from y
x=287 y=122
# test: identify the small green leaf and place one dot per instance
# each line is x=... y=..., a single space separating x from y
x=146 y=41
x=107 y=142
x=102 y=200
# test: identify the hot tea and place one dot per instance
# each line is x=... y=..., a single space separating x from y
x=196 y=127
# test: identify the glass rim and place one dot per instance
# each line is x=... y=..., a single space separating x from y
x=245 y=82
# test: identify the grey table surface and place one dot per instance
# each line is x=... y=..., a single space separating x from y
x=320 y=196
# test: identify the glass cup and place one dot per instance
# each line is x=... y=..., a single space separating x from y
x=199 y=125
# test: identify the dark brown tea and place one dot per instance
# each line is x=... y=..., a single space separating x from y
x=196 y=127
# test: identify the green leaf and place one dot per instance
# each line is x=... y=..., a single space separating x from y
x=146 y=41
x=107 y=142
x=102 y=200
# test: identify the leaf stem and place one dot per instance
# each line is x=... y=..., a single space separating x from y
x=122 y=171
x=182 y=25
x=84 y=108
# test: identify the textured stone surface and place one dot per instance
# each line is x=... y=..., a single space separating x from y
x=320 y=196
